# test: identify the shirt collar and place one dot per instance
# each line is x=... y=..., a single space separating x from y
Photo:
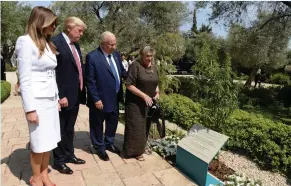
x=104 y=53
x=66 y=38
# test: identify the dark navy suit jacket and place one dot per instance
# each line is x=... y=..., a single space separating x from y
x=67 y=74
x=100 y=80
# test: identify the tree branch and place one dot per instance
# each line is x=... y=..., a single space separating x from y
x=97 y=11
x=287 y=3
x=273 y=19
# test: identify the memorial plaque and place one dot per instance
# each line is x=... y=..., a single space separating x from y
x=203 y=143
x=195 y=152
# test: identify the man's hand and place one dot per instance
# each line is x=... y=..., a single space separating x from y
x=59 y=107
x=64 y=102
x=99 y=105
x=32 y=117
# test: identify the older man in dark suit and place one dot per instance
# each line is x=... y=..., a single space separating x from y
x=104 y=72
x=70 y=81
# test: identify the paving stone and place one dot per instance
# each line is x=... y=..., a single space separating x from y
x=9 y=120
x=129 y=170
x=117 y=161
x=172 y=177
x=88 y=157
x=104 y=179
x=16 y=141
x=3 y=168
x=81 y=135
x=68 y=180
x=23 y=134
x=5 y=153
x=8 y=124
x=19 y=146
x=10 y=134
x=153 y=165
x=6 y=129
x=10 y=180
x=21 y=127
x=19 y=161
x=105 y=166
x=16 y=169
x=147 y=179
x=6 y=111
x=4 y=142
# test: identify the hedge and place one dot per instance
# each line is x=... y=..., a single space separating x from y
x=267 y=142
x=5 y=90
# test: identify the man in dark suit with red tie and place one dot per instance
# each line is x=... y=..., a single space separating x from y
x=104 y=72
x=70 y=81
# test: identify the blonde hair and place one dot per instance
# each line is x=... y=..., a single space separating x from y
x=72 y=22
x=39 y=19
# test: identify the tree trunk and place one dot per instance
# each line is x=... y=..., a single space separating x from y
x=7 y=53
x=251 y=78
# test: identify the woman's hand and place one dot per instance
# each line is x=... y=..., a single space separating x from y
x=157 y=96
x=32 y=117
x=148 y=100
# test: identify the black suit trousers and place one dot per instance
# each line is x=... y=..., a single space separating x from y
x=65 y=149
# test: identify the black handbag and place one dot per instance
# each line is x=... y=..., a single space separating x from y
x=154 y=114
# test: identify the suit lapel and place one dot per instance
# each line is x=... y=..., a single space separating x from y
x=116 y=62
x=104 y=60
x=68 y=50
x=50 y=54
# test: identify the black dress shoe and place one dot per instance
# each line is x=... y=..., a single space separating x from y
x=103 y=155
x=113 y=149
x=64 y=169
x=76 y=161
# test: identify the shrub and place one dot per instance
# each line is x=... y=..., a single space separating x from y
x=267 y=142
x=10 y=68
x=181 y=110
x=279 y=78
x=5 y=90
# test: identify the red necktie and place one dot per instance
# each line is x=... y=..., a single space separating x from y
x=78 y=62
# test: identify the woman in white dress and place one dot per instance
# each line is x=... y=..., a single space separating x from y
x=36 y=56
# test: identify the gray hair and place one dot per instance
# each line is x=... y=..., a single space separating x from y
x=71 y=22
x=145 y=50
x=105 y=35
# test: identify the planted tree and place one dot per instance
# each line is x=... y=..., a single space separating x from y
x=14 y=16
x=215 y=85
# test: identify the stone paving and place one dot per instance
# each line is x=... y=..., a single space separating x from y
x=16 y=170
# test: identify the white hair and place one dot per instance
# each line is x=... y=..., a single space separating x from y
x=106 y=34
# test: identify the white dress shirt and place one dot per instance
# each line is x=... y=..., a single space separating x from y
x=68 y=42
x=114 y=63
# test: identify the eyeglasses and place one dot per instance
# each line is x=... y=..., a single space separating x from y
x=111 y=45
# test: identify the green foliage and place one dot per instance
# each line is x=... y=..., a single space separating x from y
x=134 y=23
x=5 y=90
x=279 y=78
x=10 y=68
x=14 y=16
x=166 y=146
x=188 y=88
x=180 y=110
x=265 y=141
x=241 y=179
x=215 y=83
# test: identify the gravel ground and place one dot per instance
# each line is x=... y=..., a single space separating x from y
x=243 y=165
